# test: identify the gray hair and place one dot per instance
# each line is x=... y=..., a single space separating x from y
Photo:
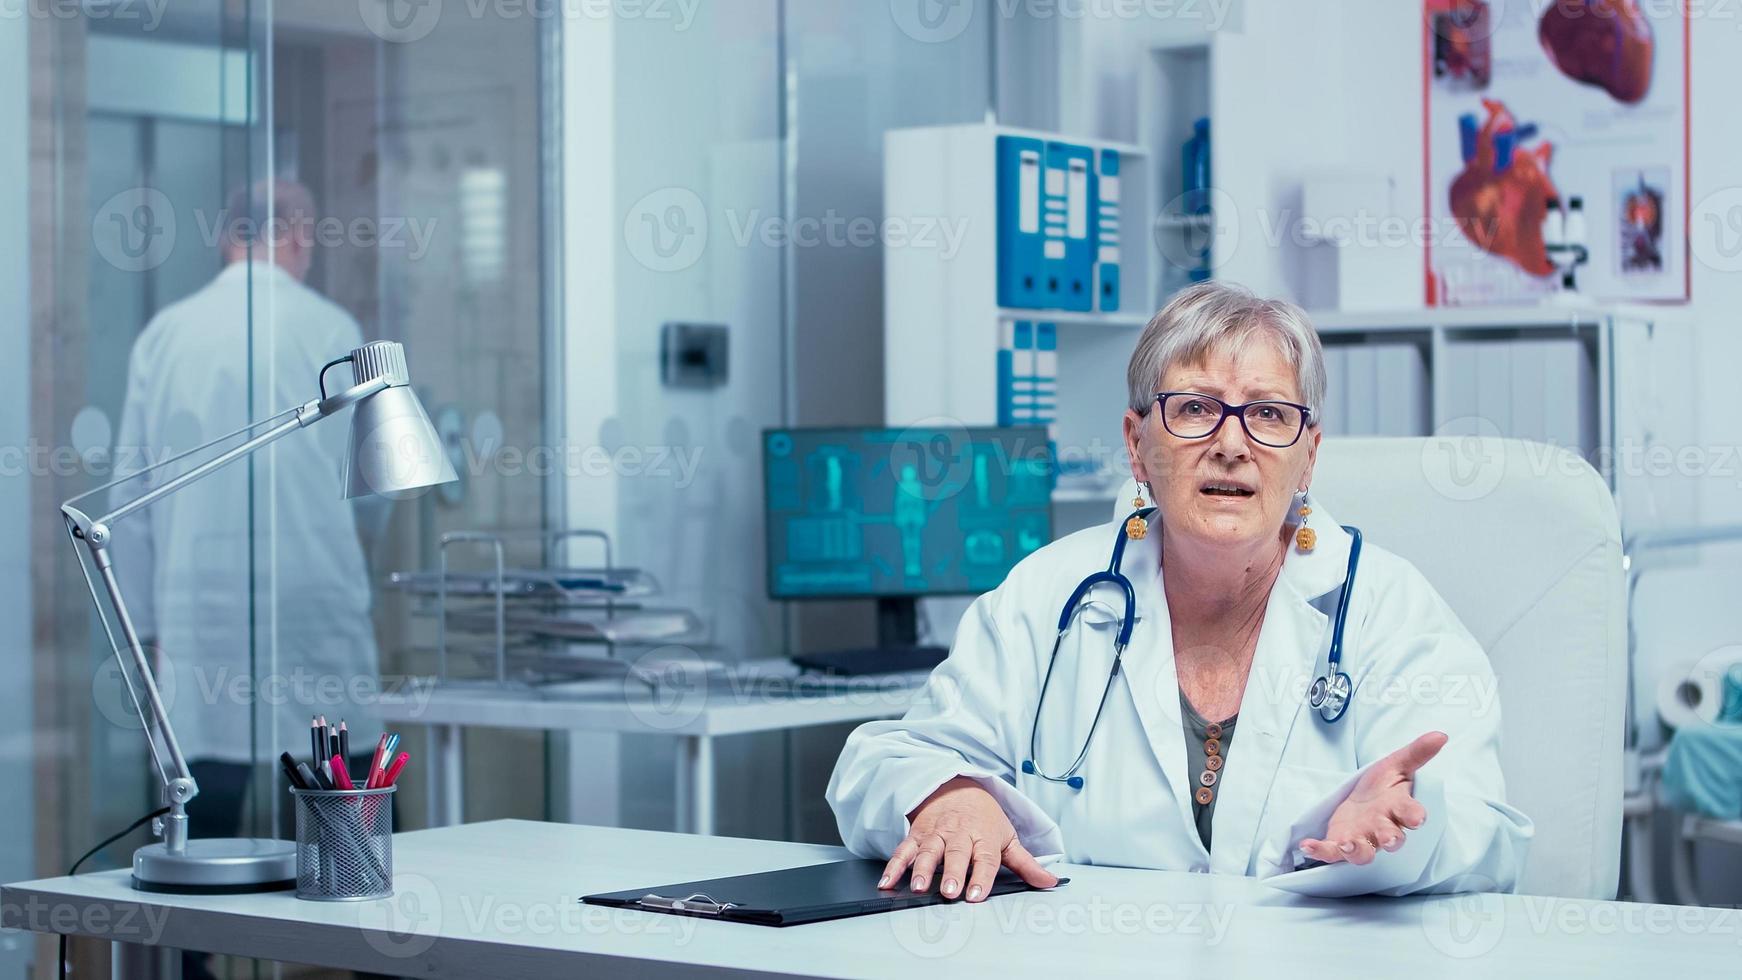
x=1216 y=317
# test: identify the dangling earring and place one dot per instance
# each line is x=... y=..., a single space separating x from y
x=1305 y=537
x=1136 y=528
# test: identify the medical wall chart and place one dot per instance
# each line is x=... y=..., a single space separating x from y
x=1556 y=150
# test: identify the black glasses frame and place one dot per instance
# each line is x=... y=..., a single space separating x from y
x=1234 y=411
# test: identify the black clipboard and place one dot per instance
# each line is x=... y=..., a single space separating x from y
x=794 y=896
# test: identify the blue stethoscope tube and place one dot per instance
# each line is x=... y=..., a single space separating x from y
x=1329 y=694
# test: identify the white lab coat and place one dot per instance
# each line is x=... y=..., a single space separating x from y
x=185 y=563
x=1414 y=666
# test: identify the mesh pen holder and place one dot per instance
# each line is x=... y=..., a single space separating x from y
x=344 y=844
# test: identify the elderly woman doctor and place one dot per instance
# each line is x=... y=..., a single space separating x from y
x=1200 y=750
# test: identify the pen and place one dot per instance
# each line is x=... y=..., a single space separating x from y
x=289 y=763
x=375 y=761
x=307 y=775
x=387 y=750
x=393 y=770
x=341 y=775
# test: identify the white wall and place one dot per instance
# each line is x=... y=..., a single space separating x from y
x=16 y=739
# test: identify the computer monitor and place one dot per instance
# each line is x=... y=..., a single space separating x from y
x=889 y=513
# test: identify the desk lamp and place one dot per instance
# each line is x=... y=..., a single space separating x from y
x=393 y=450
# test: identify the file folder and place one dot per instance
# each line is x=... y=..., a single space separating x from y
x=1068 y=259
x=1028 y=375
x=1015 y=359
x=1020 y=241
x=794 y=896
x=1107 y=232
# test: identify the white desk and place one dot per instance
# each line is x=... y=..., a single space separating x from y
x=499 y=900
x=755 y=697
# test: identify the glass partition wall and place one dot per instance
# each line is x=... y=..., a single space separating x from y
x=225 y=197
x=227 y=194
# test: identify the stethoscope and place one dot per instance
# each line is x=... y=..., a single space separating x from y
x=1328 y=695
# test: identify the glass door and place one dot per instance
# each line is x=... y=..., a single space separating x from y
x=224 y=199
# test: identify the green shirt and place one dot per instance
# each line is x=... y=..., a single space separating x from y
x=1197 y=730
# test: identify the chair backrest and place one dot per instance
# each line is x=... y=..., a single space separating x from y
x=1523 y=540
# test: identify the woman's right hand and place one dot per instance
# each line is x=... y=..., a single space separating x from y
x=962 y=826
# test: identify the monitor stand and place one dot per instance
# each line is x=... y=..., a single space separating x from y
x=897 y=650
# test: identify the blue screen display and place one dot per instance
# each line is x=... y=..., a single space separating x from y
x=902 y=512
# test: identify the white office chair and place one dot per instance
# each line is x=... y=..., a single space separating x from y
x=1523 y=540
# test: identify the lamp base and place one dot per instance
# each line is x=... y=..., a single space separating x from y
x=217 y=866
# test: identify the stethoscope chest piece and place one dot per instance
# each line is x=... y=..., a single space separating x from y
x=1329 y=695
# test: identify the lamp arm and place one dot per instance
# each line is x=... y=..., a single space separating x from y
x=179 y=784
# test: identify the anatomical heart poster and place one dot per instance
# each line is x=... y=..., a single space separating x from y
x=1556 y=142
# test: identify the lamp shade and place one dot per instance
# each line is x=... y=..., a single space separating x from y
x=394 y=449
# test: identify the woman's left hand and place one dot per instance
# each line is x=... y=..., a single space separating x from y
x=1379 y=810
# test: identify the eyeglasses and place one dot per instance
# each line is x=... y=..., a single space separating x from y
x=1190 y=415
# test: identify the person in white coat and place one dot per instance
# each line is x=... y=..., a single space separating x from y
x=251 y=584
x=1200 y=753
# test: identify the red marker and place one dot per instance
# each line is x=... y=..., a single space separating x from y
x=393 y=770
x=375 y=763
x=341 y=775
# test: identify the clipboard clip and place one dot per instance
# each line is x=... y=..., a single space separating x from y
x=697 y=903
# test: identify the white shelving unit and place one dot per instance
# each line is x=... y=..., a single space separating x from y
x=1174 y=94
x=942 y=319
x=1609 y=382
